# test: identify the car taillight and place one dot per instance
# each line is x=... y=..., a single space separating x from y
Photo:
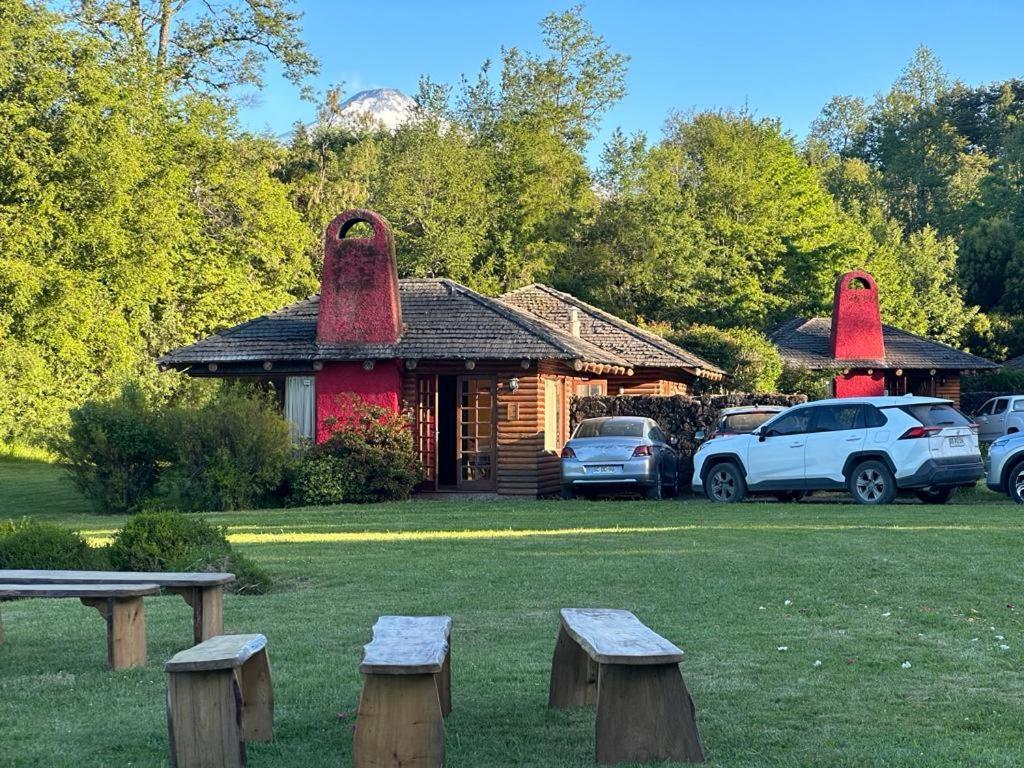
x=642 y=450
x=917 y=432
x=568 y=453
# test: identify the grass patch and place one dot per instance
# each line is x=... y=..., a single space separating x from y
x=868 y=590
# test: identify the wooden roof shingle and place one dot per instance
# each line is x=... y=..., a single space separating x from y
x=640 y=347
x=805 y=342
x=1015 y=362
x=442 y=320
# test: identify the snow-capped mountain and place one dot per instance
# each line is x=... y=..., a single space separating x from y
x=385 y=108
x=379 y=108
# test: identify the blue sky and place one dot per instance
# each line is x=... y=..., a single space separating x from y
x=780 y=59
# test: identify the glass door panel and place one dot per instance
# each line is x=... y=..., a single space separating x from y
x=476 y=449
x=425 y=433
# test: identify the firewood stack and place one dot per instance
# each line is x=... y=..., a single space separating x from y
x=680 y=416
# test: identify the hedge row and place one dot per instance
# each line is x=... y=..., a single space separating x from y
x=679 y=416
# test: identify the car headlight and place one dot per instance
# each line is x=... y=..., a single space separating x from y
x=1000 y=442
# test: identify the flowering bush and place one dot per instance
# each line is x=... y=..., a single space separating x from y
x=369 y=457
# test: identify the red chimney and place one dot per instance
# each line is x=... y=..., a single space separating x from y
x=856 y=319
x=359 y=301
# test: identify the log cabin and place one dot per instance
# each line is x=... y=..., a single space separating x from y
x=867 y=357
x=486 y=381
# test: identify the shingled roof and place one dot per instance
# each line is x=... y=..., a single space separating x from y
x=805 y=342
x=1015 y=362
x=442 y=319
x=638 y=346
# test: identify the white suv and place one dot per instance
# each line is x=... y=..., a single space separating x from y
x=1000 y=416
x=872 y=446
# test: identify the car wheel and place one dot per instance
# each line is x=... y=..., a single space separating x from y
x=725 y=484
x=790 y=496
x=872 y=483
x=935 y=495
x=1015 y=483
x=567 y=491
x=653 y=492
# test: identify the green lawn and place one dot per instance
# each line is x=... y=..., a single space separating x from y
x=860 y=590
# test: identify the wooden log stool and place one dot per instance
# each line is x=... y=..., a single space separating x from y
x=644 y=712
x=204 y=592
x=406 y=693
x=120 y=605
x=220 y=695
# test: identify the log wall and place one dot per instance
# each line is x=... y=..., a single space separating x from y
x=524 y=467
x=520 y=441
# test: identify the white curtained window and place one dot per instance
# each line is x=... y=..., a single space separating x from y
x=300 y=405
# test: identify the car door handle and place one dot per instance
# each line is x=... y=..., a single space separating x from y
x=796 y=445
x=854 y=439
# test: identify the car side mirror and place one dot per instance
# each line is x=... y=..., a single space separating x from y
x=762 y=435
x=700 y=436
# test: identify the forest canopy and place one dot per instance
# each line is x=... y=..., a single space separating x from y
x=137 y=215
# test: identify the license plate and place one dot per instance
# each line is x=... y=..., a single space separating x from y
x=605 y=470
x=957 y=442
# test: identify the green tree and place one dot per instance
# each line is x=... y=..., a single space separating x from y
x=747 y=355
x=132 y=221
x=640 y=255
x=533 y=126
x=985 y=255
x=199 y=45
x=769 y=232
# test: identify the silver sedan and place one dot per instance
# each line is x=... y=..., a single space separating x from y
x=619 y=453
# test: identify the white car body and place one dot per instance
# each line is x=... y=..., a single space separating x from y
x=1000 y=416
x=818 y=445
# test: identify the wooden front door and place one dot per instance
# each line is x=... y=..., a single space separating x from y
x=476 y=419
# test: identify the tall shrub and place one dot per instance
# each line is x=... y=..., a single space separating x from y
x=369 y=457
x=33 y=545
x=171 y=541
x=746 y=355
x=229 y=453
x=114 y=450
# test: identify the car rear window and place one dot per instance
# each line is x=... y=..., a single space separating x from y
x=610 y=428
x=937 y=415
x=744 y=422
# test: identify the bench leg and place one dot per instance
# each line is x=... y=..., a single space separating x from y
x=257 y=698
x=126 y=630
x=444 y=683
x=573 y=675
x=399 y=723
x=645 y=714
x=207 y=611
x=204 y=719
x=1 y=629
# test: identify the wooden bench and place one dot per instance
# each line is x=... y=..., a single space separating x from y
x=220 y=695
x=644 y=712
x=203 y=591
x=119 y=604
x=406 y=693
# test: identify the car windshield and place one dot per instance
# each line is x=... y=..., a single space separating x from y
x=743 y=422
x=610 y=428
x=937 y=415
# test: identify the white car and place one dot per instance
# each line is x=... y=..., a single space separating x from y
x=1006 y=467
x=1000 y=416
x=874 y=447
